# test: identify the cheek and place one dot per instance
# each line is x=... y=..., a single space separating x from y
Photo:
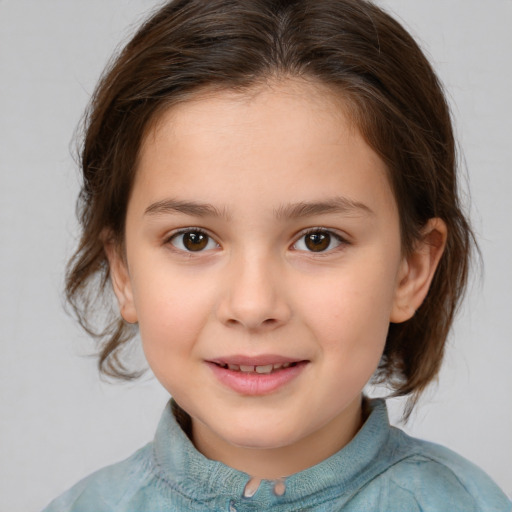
x=350 y=314
x=171 y=313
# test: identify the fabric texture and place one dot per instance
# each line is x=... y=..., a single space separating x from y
x=381 y=470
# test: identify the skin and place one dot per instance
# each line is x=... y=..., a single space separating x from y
x=257 y=287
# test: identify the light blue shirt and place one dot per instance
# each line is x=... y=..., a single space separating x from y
x=381 y=469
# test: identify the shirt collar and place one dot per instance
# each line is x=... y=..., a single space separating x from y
x=184 y=468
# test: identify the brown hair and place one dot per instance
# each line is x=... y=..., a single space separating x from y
x=353 y=47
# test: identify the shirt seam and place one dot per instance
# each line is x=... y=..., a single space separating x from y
x=448 y=468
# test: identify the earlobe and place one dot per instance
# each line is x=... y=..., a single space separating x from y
x=120 y=279
x=417 y=271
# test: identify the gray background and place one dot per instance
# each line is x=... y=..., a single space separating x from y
x=58 y=421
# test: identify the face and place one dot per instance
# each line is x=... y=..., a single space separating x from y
x=263 y=266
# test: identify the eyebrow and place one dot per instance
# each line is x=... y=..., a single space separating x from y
x=341 y=205
x=186 y=207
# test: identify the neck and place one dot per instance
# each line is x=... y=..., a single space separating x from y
x=282 y=461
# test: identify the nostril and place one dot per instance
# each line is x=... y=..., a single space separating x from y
x=269 y=322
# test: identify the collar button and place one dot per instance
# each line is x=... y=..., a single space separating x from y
x=279 y=487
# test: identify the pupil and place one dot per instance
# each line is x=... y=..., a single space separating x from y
x=317 y=242
x=195 y=241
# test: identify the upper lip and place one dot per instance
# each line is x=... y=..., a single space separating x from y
x=261 y=360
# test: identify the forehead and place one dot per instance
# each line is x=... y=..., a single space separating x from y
x=226 y=105
x=295 y=133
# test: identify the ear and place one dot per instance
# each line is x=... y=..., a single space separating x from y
x=120 y=278
x=417 y=270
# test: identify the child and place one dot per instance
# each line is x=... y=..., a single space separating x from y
x=270 y=189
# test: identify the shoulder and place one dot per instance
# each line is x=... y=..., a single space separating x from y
x=437 y=478
x=106 y=489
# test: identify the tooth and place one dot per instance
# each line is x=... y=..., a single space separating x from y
x=234 y=367
x=286 y=365
x=277 y=366
x=264 y=369
x=246 y=368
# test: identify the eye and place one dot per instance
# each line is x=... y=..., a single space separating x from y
x=193 y=240
x=318 y=240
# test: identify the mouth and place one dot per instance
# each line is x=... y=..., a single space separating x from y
x=260 y=369
x=256 y=376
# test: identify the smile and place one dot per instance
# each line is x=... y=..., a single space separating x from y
x=263 y=377
x=262 y=369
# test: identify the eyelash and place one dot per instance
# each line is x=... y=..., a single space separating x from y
x=312 y=231
x=195 y=231
x=333 y=236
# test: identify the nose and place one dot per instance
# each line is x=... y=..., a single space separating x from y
x=254 y=297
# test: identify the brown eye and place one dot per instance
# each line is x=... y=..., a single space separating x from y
x=318 y=241
x=193 y=241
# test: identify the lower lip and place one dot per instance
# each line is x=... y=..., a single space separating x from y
x=254 y=384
